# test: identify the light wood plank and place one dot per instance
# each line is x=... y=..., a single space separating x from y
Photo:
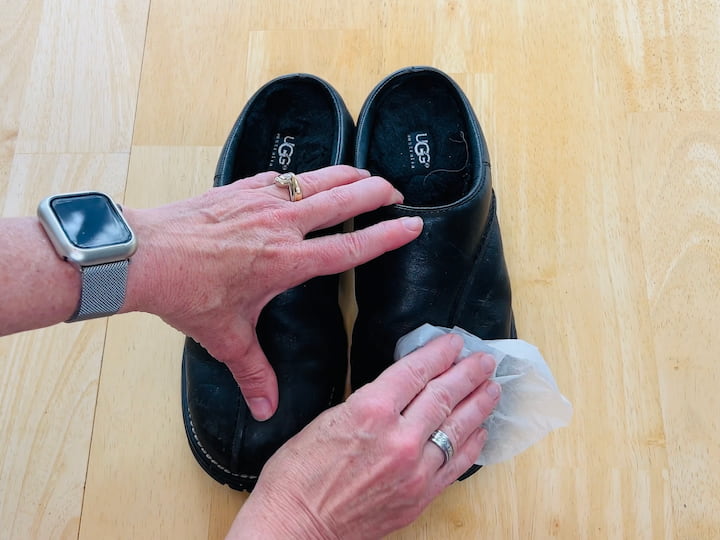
x=220 y=59
x=46 y=414
x=268 y=58
x=35 y=176
x=677 y=167
x=568 y=211
x=142 y=478
x=668 y=54
x=192 y=84
x=19 y=26
x=49 y=378
x=82 y=91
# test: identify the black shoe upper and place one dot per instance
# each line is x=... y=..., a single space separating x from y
x=294 y=123
x=418 y=130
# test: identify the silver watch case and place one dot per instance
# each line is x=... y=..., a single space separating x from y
x=85 y=256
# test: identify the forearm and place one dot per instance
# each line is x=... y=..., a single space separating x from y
x=40 y=289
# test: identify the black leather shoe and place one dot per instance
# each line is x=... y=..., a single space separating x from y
x=294 y=123
x=417 y=129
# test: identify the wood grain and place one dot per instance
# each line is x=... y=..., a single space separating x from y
x=49 y=378
x=602 y=121
x=82 y=88
x=139 y=397
x=676 y=176
x=19 y=25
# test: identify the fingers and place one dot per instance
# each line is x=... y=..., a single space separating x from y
x=408 y=376
x=330 y=196
x=441 y=395
x=257 y=382
x=344 y=202
x=321 y=180
x=241 y=352
x=465 y=455
x=311 y=183
x=260 y=180
x=465 y=419
x=334 y=254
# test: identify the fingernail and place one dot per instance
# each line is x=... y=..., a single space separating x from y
x=413 y=224
x=456 y=341
x=483 y=436
x=493 y=389
x=398 y=198
x=363 y=171
x=260 y=408
x=488 y=363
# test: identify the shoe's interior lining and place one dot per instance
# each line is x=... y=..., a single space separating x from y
x=292 y=127
x=419 y=141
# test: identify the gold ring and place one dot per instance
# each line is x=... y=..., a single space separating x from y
x=291 y=181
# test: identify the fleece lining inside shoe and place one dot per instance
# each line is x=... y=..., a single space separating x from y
x=292 y=127
x=419 y=141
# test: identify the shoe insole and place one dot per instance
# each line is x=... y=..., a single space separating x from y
x=291 y=129
x=419 y=141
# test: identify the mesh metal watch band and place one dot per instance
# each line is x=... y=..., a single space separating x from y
x=103 y=290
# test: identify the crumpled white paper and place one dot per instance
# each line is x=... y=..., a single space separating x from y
x=531 y=405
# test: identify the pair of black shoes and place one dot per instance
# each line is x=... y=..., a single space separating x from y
x=418 y=131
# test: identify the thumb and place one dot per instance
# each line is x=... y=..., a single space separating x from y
x=242 y=354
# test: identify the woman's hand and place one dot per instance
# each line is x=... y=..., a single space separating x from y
x=209 y=264
x=367 y=467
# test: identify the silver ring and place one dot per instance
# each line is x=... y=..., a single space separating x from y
x=290 y=181
x=442 y=441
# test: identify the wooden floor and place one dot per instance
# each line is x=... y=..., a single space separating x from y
x=603 y=121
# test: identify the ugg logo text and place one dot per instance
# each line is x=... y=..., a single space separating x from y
x=282 y=152
x=285 y=152
x=419 y=146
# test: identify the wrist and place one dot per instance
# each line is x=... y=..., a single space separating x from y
x=148 y=274
x=266 y=516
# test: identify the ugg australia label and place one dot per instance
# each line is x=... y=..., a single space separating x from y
x=419 y=149
x=282 y=152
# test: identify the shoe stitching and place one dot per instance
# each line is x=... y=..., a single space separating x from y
x=224 y=469
x=210 y=458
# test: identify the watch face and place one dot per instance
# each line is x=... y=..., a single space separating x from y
x=87 y=228
x=90 y=221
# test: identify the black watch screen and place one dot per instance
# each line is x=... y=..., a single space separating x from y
x=90 y=220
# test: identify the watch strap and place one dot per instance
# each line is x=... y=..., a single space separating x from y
x=103 y=290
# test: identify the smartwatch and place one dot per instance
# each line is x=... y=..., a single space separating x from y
x=87 y=229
